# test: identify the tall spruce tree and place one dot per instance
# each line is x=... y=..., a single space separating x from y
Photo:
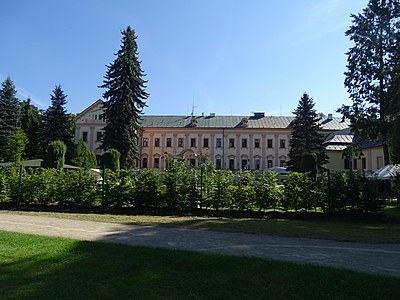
x=125 y=99
x=56 y=123
x=370 y=68
x=9 y=116
x=305 y=135
x=30 y=124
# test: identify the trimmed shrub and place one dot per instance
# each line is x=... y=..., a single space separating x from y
x=110 y=160
x=55 y=155
x=268 y=193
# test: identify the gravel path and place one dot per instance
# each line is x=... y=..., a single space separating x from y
x=371 y=258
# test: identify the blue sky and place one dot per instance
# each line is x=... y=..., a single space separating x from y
x=227 y=57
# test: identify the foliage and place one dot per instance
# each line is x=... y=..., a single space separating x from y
x=243 y=194
x=309 y=164
x=267 y=191
x=83 y=157
x=220 y=193
x=370 y=69
x=16 y=145
x=305 y=136
x=125 y=97
x=110 y=160
x=30 y=124
x=56 y=123
x=395 y=142
x=119 y=189
x=9 y=115
x=148 y=188
x=300 y=192
x=55 y=155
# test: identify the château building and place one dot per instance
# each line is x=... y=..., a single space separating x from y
x=232 y=142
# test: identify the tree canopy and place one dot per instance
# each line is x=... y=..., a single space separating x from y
x=9 y=115
x=30 y=124
x=370 y=66
x=56 y=123
x=305 y=135
x=125 y=97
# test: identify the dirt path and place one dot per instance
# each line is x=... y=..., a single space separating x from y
x=372 y=258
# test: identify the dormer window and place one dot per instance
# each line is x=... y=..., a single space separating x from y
x=193 y=122
x=244 y=122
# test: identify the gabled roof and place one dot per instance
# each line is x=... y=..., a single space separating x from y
x=92 y=106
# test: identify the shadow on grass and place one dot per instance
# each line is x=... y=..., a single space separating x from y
x=52 y=268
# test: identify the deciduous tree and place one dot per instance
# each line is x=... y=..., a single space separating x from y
x=370 y=70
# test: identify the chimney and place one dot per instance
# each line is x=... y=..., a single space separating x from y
x=330 y=117
x=259 y=115
x=212 y=114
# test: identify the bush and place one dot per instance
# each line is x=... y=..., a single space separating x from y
x=268 y=193
x=55 y=155
x=110 y=160
x=147 y=189
x=299 y=192
x=220 y=193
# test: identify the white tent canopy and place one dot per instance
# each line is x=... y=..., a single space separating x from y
x=386 y=172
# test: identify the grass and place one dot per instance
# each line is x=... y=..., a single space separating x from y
x=34 y=267
x=349 y=231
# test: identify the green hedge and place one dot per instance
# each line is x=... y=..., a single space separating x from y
x=184 y=188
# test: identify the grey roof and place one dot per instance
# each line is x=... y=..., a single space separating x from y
x=273 y=122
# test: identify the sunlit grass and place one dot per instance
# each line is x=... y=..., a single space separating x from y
x=33 y=267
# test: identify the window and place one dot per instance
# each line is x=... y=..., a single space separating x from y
x=218 y=164
x=205 y=142
x=347 y=164
x=231 y=164
x=145 y=142
x=244 y=164
x=379 y=162
x=269 y=163
x=156 y=162
x=364 y=163
x=244 y=143
x=95 y=117
x=282 y=163
x=231 y=143
x=85 y=136
x=101 y=117
x=169 y=142
x=282 y=143
x=156 y=142
x=99 y=136
x=180 y=142
x=144 y=163
x=355 y=163
x=193 y=142
x=219 y=143
x=257 y=143
x=258 y=164
x=269 y=143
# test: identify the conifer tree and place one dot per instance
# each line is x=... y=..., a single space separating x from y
x=370 y=68
x=124 y=100
x=9 y=116
x=56 y=123
x=305 y=135
x=30 y=124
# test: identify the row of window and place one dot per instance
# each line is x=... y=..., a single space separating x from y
x=218 y=143
x=99 y=136
x=348 y=164
x=245 y=163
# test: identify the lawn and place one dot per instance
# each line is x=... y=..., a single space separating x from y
x=338 y=230
x=34 y=267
